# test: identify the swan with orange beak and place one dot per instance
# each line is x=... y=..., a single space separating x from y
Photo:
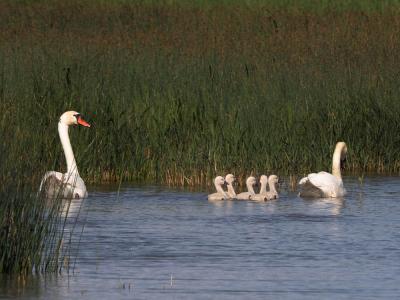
x=69 y=184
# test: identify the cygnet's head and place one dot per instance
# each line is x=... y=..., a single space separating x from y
x=264 y=179
x=251 y=181
x=273 y=179
x=219 y=180
x=230 y=178
x=73 y=118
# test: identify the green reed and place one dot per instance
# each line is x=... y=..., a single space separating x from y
x=177 y=94
x=32 y=228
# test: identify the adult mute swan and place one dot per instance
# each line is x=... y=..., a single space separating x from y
x=323 y=184
x=250 y=182
x=230 y=179
x=219 y=181
x=70 y=184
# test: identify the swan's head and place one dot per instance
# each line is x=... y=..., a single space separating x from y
x=251 y=181
x=273 y=179
x=264 y=179
x=73 y=118
x=230 y=178
x=219 y=180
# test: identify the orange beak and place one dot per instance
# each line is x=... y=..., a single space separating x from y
x=83 y=122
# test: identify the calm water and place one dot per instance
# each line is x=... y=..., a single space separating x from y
x=157 y=243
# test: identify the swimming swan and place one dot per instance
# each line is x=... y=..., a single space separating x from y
x=263 y=189
x=272 y=193
x=219 y=181
x=272 y=182
x=323 y=184
x=230 y=179
x=250 y=182
x=71 y=183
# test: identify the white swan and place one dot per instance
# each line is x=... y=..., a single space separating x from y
x=69 y=184
x=250 y=182
x=230 y=179
x=264 y=195
x=323 y=184
x=219 y=181
x=272 y=182
x=263 y=189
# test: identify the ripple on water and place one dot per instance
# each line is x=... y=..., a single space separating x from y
x=152 y=243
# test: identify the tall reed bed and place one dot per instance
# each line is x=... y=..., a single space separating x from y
x=33 y=233
x=178 y=93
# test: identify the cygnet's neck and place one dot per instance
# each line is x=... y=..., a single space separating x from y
x=263 y=188
x=219 y=188
x=250 y=188
x=231 y=190
x=272 y=187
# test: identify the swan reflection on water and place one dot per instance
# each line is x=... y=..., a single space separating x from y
x=332 y=205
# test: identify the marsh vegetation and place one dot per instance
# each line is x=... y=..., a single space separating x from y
x=178 y=93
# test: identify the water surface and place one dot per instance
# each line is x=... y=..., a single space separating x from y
x=159 y=243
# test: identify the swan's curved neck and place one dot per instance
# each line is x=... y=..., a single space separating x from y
x=336 y=161
x=263 y=188
x=231 y=190
x=250 y=188
x=72 y=168
x=272 y=187
x=219 y=188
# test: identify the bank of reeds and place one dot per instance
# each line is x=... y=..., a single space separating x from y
x=32 y=228
x=179 y=93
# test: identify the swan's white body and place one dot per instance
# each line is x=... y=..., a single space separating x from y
x=272 y=193
x=324 y=184
x=219 y=181
x=70 y=184
x=250 y=182
x=230 y=179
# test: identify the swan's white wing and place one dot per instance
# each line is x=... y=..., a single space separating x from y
x=51 y=183
x=321 y=185
x=308 y=189
x=75 y=185
x=58 y=185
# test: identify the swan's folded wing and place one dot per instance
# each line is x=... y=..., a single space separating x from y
x=216 y=196
x=322 y=184
x=51 y=183
x=258 y=197
x=312 y=186
x=51 y=178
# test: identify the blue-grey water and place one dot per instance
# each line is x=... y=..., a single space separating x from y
x=160 y=243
